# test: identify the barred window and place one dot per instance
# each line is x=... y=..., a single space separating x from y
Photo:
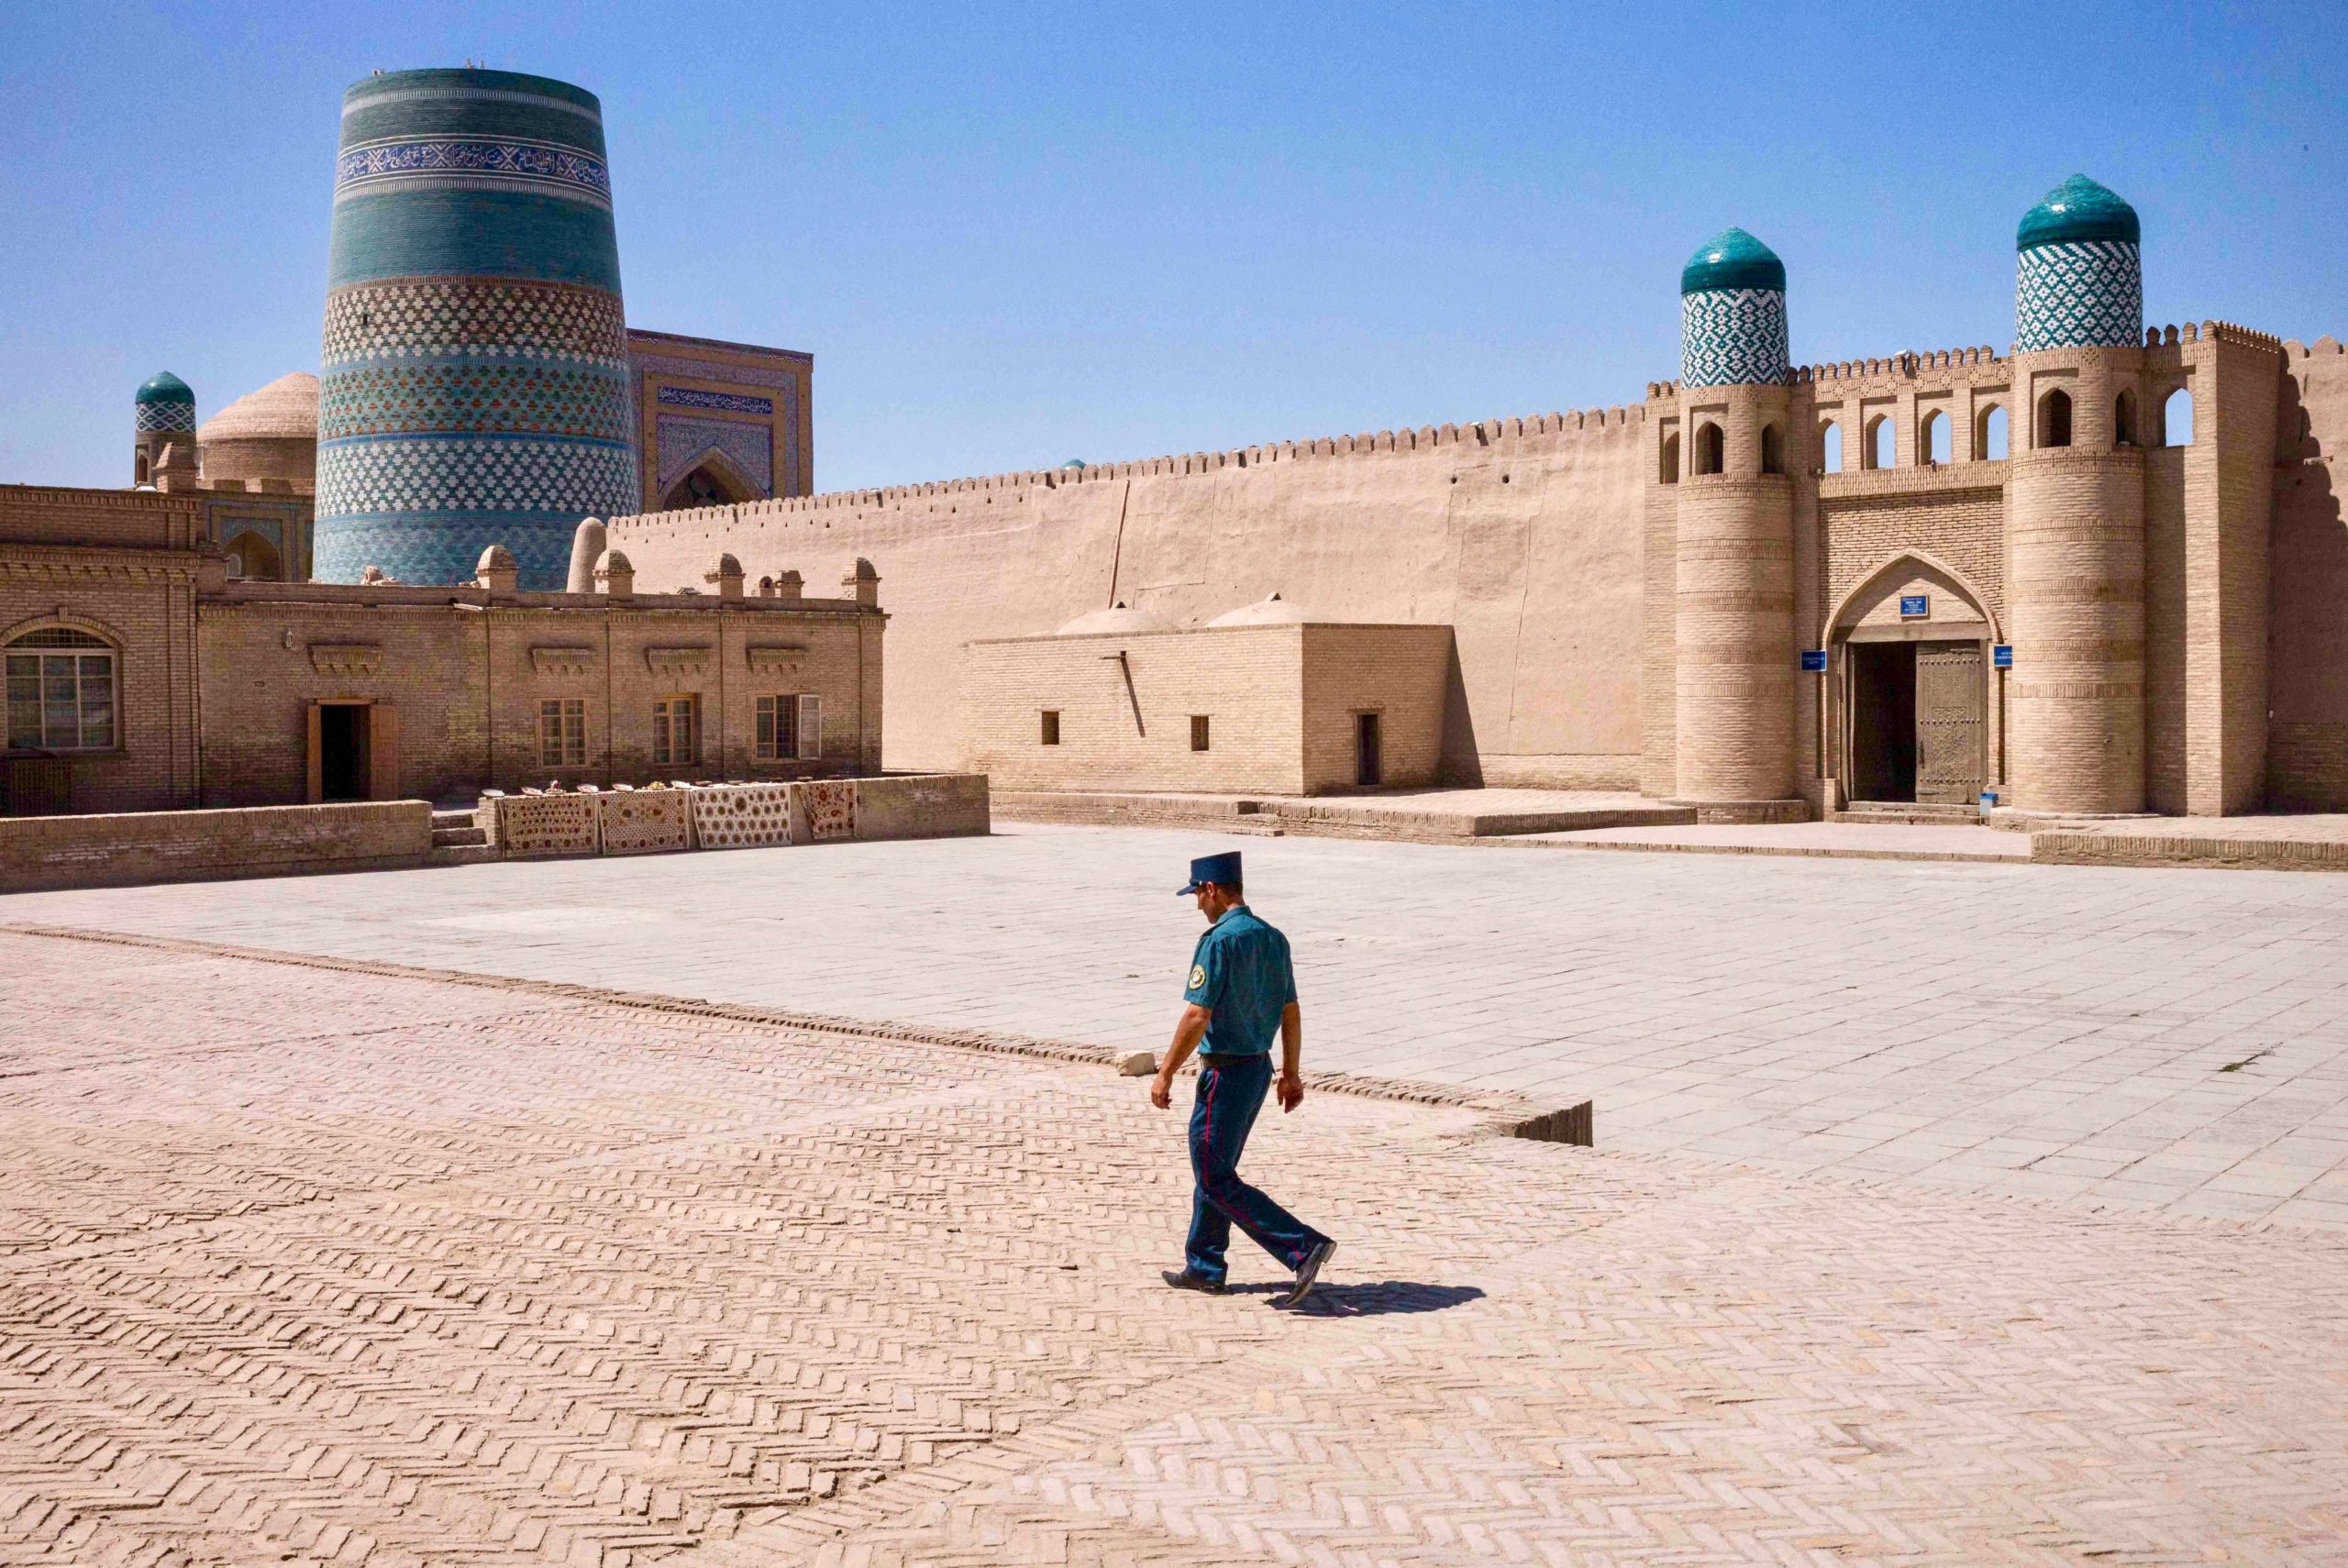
x=62 y=691
x=676 y=730
x=562 y=732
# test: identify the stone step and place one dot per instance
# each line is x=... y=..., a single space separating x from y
x=460 y=855
x=452 y=819
x=1906 y=811
x=458 y=837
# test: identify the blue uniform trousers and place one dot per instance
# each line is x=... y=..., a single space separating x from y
x=1231 y=1091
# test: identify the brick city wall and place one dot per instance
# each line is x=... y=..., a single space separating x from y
x=2307 y=743
x=1521 y=534
x=164 y=847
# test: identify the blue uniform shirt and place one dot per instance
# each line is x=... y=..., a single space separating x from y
x=1240 y=970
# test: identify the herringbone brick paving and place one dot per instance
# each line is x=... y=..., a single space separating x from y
x=305 y=1266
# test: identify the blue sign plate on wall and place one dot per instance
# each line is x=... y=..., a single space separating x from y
x=1915 y=605
x=1814 y=661
x=2001 y=656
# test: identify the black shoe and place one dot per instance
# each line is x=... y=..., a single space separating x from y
x=1306 y=1271
x=1184 y=1279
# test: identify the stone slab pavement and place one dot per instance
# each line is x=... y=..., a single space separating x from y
x=301 y=1266
x=1905 y=841
x=2173 y=1039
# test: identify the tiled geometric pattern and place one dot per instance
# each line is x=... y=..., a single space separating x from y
x=431 y=318
x=726 y=402
x=686 y=442
x=308 y=1268
x=647 y=822
x=416 y=163
x=435 y=548
x=1732 y=337
x=2079 y=295
x=167 y=414
x=475 y=395
x=375 y=475
x=529 y=826
x=831 y=808
x=742 y=816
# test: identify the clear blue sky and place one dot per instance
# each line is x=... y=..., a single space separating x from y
x=1015 y=236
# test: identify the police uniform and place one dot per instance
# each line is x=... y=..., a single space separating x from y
x=1240 y=971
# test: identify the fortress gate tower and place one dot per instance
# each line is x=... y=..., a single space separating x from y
x=474 y=380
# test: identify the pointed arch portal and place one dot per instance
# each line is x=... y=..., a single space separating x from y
x=1911 y=682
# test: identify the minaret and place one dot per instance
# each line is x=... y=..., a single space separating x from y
x=1734 y=677
x=473 y=386
x=165 y=409
x=2074 y=506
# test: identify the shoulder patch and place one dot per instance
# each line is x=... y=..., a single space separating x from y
x=1198 y=976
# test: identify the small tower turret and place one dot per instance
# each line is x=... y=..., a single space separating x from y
x=164 y=408
x=2074 y=506
x=1732 y=530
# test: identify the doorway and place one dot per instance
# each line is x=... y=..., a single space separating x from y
x=1916 y=721
x=342 y=751
x=1369 y=768
x=1883 y=720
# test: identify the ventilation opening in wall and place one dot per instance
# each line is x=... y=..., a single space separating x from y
x=1051 y=727
x=1199 y=731
x=2177 y=419
x=2054 y=419
x=1989 y=433
x=1710 y=449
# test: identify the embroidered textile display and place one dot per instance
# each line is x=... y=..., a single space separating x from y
x=531 y=827
x=647 y=822
x=742 y=816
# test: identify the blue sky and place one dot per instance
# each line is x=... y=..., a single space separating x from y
x=1012 y=236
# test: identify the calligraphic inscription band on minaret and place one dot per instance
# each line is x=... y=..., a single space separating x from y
x=473 y=385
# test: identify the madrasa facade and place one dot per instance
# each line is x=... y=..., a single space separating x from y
x=2099 y=573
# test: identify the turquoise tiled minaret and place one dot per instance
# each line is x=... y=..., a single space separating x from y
x=474 y=389
x=164 y=408
x=2079 y=277
x=1732 y=313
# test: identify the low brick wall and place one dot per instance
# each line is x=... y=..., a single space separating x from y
x=922 y=805
x=179 y=847
x=2188 y=849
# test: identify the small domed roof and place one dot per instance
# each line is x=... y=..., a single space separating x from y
x=727 y=566
x=1116 y=618
x=1272 y=612
x=497 y=558
x=286 y=409
x=1074 y=463
x=614 y=561
x=2078 y=209
x=165 y=387
x=1732 y=259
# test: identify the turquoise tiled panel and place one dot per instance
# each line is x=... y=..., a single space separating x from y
x=505 y=233
x=1732 y=337
x=444 y=546
x=2084 y=295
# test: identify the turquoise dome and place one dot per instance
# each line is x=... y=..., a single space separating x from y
x=165 y=387
x=2078 y=209
x=1732 y=259
x=1073 y=463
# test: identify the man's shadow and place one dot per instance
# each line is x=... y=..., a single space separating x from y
x=1370 y=1300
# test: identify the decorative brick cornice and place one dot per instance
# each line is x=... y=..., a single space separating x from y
x=548 y=660
x=672 y=661
x=346 y=658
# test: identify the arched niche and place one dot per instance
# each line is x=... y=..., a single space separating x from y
x=715 y=479
x=1913 y=704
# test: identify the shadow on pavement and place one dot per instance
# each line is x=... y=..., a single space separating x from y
x=1367 y=1300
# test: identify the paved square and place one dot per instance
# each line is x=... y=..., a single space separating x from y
x=304 y=1266
x=2145 y=1038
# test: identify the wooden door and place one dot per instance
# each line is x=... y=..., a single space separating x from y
x=1948 y=722
x=384 y=752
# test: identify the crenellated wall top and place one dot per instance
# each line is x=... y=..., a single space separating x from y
x=1528 y=432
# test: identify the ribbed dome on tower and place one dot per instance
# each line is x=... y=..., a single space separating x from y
x=1732 y=259
x=272 y=434
x=2080 y=208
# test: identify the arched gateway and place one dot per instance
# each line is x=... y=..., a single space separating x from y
x=1910 y=670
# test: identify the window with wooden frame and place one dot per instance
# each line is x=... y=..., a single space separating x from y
x=562 y=732
x=776 y=736
x=62 y=691
x=676 y=730
x=811 y=728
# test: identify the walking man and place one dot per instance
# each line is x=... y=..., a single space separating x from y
x=1241 y=991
